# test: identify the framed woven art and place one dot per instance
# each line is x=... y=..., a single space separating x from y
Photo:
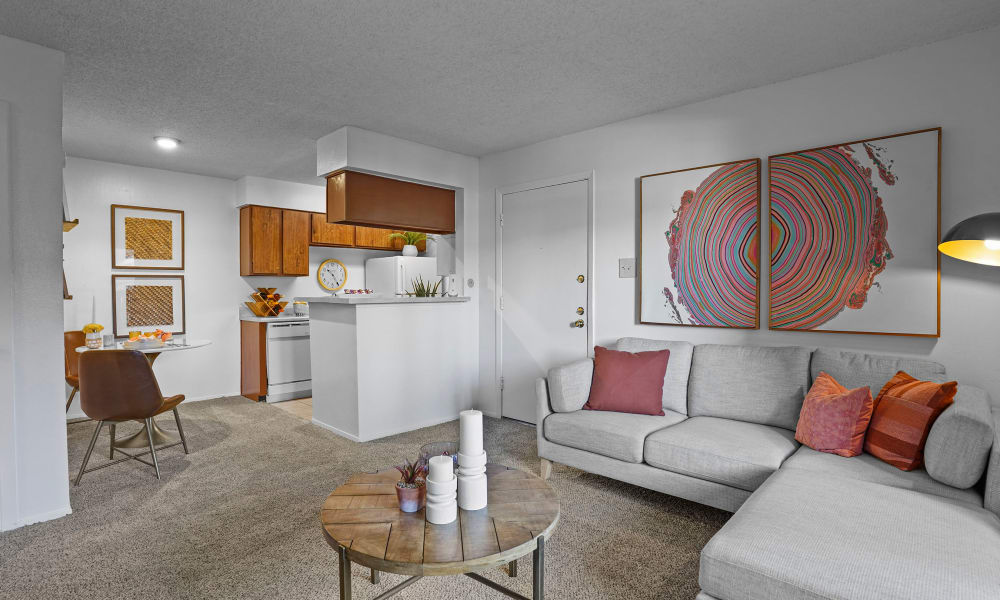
x=147 y=303
x=854 y=234
x=146 y=238
x=699 y=248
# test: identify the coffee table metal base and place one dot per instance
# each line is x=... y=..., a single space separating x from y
x=537 y=577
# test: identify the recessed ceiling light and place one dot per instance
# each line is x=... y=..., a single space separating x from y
x=167 y=143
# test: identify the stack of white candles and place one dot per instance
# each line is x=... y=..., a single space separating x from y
x=471 y=461
x=441 y=485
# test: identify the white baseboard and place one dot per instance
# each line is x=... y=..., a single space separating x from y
x=387 y=433
x=45 y=516
x=339 y=432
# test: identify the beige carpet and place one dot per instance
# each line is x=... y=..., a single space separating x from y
x=238 y=518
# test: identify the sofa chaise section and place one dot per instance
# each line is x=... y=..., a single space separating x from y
x=808 y=534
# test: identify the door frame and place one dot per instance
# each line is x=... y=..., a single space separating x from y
x=587 y=176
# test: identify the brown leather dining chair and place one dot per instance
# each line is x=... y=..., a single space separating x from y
x=119 y=385
x=71 y=341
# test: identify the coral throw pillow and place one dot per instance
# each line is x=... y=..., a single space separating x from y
x=905 y=410
x=834 y=419
x=628 y=382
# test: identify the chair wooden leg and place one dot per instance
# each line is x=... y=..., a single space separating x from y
x=111 y=452
x=152 y=449
x=545 y=468
x=180 y=430
x=70 y=401
x=90 y=448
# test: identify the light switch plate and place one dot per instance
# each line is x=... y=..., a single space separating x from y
x=626 y=268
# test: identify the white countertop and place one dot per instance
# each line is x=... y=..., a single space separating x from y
x=282 y=319
x=358 y=299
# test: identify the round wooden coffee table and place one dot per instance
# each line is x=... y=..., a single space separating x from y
x=362 y=521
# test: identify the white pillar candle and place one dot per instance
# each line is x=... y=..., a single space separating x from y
x=441 y=468
x=470 y=438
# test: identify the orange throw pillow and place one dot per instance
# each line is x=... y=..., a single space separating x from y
x=905 y=410
x=834 y=419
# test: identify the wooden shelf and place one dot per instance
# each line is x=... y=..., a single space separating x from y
x=67 y=225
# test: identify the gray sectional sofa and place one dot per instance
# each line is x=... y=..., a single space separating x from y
x=807 y=524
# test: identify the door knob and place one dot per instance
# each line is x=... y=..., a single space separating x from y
x=580 y=278
x=578 y=323
x=579 y=310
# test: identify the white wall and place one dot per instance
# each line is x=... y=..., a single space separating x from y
x=33 y=467
x=212 y=286
x=954 y=84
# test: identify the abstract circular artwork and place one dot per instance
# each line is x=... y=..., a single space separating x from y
x=852 y=233
x=705 y=223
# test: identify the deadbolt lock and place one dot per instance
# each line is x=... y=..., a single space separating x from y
x=580 y=278
x=578 y=323
x=579 y=310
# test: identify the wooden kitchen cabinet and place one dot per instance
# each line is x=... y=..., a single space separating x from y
x=295 y=235
x=260 y=240
x=378 y=239
x=330 y=234
x=253 y=360
x=274 y=241
x=374 y=238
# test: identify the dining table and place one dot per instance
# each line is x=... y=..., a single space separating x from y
x=160 y=437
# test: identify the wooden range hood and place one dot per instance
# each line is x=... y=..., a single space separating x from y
x=355 y=198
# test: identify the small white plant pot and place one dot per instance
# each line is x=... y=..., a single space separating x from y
x=409 y=250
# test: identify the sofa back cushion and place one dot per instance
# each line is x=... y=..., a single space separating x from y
x=749 y=383
x=855 y=369
x=960 y=440
x=675 y=380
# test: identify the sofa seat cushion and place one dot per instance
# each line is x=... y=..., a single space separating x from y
x=814 y=535
x=730 y=452
x=749 y=383
x=868 y=468
x=612 y=434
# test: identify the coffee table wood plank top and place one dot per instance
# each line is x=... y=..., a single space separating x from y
x=363 y=517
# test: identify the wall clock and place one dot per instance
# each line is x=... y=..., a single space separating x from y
x=331 y=275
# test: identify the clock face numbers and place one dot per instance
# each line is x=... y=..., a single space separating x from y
x=332 y=275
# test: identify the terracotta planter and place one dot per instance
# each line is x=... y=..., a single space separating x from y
x=411 y=499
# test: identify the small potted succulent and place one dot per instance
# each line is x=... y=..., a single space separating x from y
x=410 y=241
x=411 y=489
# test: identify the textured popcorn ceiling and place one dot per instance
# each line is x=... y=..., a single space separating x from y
x=250 y=85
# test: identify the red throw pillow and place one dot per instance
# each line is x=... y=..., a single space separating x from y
x=628 y=382
x=905 y=410
x=834 y=419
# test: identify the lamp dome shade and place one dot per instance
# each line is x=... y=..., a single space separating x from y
x=976 y=239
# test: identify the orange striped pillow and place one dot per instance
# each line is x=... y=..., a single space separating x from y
x=905 y=410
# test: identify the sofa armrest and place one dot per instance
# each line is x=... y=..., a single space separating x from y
x=544 y=409
x=991 y=496
x=957 y=449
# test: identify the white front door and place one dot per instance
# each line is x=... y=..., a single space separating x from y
x=544 y=317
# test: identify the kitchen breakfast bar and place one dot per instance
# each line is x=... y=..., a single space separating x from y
x=385 y=365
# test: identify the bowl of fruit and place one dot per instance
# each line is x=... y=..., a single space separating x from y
x=138 y=340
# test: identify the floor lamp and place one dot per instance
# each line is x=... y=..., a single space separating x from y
x=976 y=239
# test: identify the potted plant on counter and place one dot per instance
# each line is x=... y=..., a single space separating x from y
x=410 y=241
x=411 y=489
